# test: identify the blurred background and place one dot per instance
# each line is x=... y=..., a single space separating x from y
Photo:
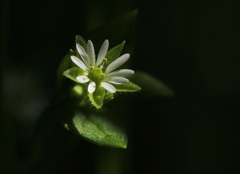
x=192 y=46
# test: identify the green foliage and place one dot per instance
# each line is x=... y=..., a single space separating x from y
x=127 y=87
x=97 y=97
x=77 y=115
x=108 y=96
x=99 y=130
x=151 y=85
x=72 y=73
x=65 y=64
x=92 y=126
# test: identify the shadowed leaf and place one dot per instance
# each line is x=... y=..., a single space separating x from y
x=151 y=85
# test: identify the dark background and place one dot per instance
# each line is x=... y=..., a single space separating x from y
x=192 y=46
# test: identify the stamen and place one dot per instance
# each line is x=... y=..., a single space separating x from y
x=102 y=75
x=91 y=67
x=103 y=62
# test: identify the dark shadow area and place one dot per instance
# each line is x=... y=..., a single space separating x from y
x=192 y=46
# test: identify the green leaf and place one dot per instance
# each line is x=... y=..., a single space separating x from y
x=108 y=96
x=99 y=131
x=151 y=85
x=94 y=127
x=114 y=53
x=72 y=73
x=97 y=97
x=65 y=64
x=81 y=41
x=127 y=87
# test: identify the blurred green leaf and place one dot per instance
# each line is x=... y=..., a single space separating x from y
x=93 y=127
x=65 y=64
x=72 y=73
x=127 y=87
x=151 y=85
x=108 y=96
x=79 y=39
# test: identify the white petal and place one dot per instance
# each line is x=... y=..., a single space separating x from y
x=91 y=52
x=108 y=87
x=102 y=52
x=118 y=80
x=91 y=87
x=83 y=54
x=121 y=73
x=82 y=79
x=117 y=63
x=79 y=63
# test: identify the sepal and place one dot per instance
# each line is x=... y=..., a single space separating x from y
x=72 y=73
x=127 y=87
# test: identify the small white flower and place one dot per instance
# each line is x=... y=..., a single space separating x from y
x=93 y=68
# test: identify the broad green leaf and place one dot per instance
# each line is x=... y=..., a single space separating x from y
x=65 y=64
x=97 y=97
x=151 y=85
x=127 y=87
x=81 y=41
x=114 y=53
x=72 y=73
x=92 y=126
x=99 y=130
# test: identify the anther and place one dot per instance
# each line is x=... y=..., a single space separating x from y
x=102 y=75
x=105 y=59
x=92 y=67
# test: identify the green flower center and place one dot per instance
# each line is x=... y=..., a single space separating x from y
x=96 y=75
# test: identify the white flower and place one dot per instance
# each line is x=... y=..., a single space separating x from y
x=93 y=68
